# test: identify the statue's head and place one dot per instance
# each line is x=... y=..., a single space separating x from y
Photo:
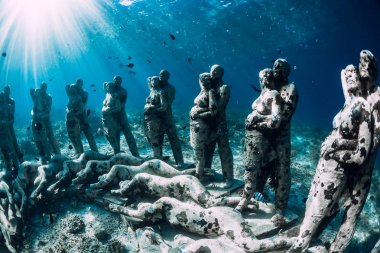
x=117 y=80
x=7 y=90
x=281 y=69
x=352 y=79
x=266 y=78
x=367 y=65
x=205 y=81
x=79 y=83
x=43 y=87
x=216 y=71
x=164 y=75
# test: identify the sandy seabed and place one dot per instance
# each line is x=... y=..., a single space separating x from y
x=72 y=225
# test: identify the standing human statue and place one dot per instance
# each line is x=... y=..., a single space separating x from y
x=6 y=138
x=167 y=117
x=41 y=126
x=153 y=110
x=261 y=126
x=360 y=181
x=341 y=179
x=219 y=132
x=114 y=117
x=282 y=144
x=11 y=102
x=77 y=117
x=205 y=107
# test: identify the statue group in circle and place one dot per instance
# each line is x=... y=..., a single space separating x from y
x=343 y=173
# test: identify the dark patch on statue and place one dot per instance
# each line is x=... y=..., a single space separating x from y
x=201 y=222
x=182 y=217
x=363 y=152
x=329 y=192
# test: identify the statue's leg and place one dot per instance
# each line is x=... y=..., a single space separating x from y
x=359 y=184
x=73 y=131
x=255 y=147
x=153 y=133
x=282 y=174
x=225 y=154
x=50 y=135
x=85 y=126
x=128 y=134
x=174 y=141
x=329 y=188
x=112 y=131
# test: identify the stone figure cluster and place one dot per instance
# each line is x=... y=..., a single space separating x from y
x=343 y=174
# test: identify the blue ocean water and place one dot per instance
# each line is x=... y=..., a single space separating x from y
x=58 y=41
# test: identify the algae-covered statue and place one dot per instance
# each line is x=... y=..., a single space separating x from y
x=6 y=138
x=175 y=184
x=41 y=126
x=167 y=117
x=205 y=107
x=12 y=104
x=153 y=112
x=339 y=173
x=219 y=133
x=261 y=125
x=114 y=117
x=281 y=173
x=77 y=117
x=211 y=222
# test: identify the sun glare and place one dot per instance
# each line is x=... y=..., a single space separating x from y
x=39 y=32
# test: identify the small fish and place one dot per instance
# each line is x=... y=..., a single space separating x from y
x=94 y=90
x=183 y=127
x=38 y=126
x=130 y=65
x=130 y=72
x=51 y=79
x=28 y=128
x=172 y=36
x=295 y=67
x=149 y=61
x=279 y=51
x=92 y=85
x=116 y=57
x=255 y=88
x=4 y=54
x=109 y=57
x=120 y=65
x=129 y=58
x=51 y=218
x=259 y=197
x=134 y=72
x=70 y=146
x=189 y=60
x=88 y=112
x=36 y=158
x=164 y=42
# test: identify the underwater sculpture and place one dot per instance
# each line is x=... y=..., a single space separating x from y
x=261 y=125
x=220 y=129
x=176 y=185
x=12 y=204
x=114 y=117
x=95 y=167
x=41 y=126
x=280 y=168
x=120 y=172
x=167 y=118
x=12 y=104
x=210 y=222
x=360 y=179
x=343 y=154
x=77 y=117
x=6 y=138
x=205 y=106
x=154 y=108
x=376 y=248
